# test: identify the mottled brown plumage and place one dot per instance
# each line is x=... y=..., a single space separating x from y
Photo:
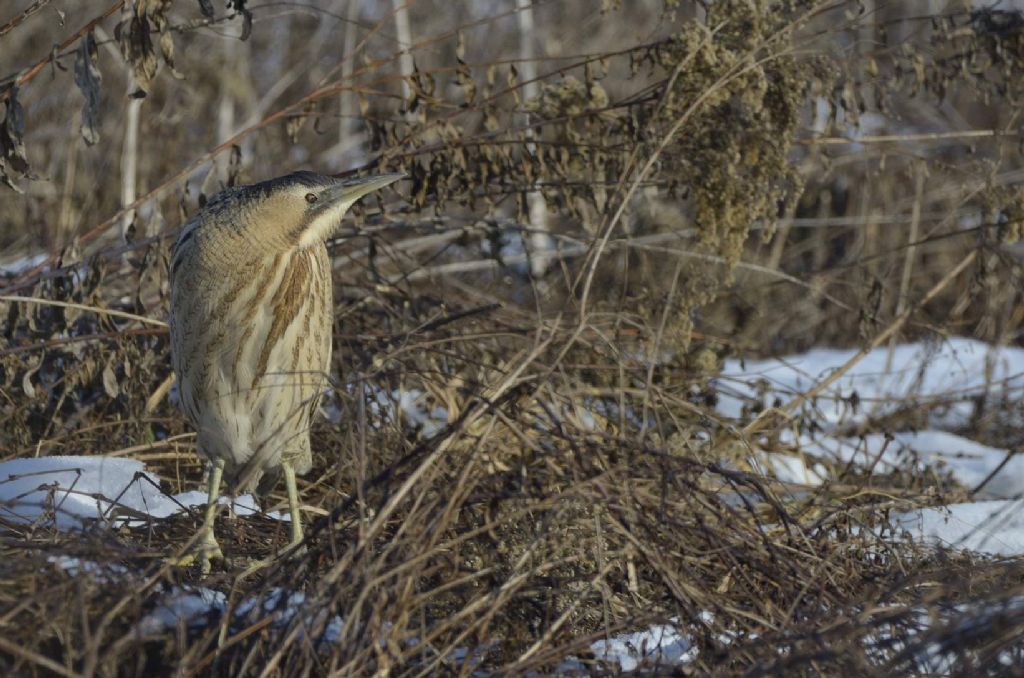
x=250 y=327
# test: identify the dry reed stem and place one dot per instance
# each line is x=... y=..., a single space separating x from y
x=82 y=307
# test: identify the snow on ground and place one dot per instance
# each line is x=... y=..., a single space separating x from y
x=182 y=606
x=193 y=605
x=968 y=462
x=23 y=263
x=994 y=528
x=659 y=644
x=74 y=491
x=408 y=404
x=75 y=566
x=945 y=379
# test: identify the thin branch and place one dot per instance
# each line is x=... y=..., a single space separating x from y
x=32 y=71
x=17 y=20
x=83 y=307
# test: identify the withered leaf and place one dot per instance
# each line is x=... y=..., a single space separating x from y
x=110 y=381
x=460 y=46
x=234 y=164
x=464 y=78
x=13 y=163
x=88 y=79
x=423 y=82
x=293 y=125
x=141 y=21
x=26 y=384
x=137 y=48
x=167 y=49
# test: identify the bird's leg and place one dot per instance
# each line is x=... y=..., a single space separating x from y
x=296 y=519
x=293 y=502
x=206 y=546
x=208 y=541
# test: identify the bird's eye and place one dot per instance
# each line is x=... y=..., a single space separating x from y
x=311 y=198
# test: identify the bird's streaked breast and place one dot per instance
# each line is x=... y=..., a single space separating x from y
x=251 y=344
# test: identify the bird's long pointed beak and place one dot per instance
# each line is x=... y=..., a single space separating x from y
x=354 y=189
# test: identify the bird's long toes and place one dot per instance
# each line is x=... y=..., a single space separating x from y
x=204 y=552
x=206 y=557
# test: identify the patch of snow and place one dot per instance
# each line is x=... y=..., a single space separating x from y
x=944 y=658
x=22 y=264
x=285 y=605
x=658 y=644
x=182 y=605
x=945 y=377
x=791 y=468
x=967 y=620
x=187 y=605
x=330 y=409
x=73 y=491
x=192 y=605
x=75 y=566
x=411 y=404
x=988 y=527
x=968 y=462
x=246 y=505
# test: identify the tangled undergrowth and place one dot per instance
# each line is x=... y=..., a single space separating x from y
x=519 y=460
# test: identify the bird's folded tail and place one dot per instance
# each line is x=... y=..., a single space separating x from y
x=267 y=481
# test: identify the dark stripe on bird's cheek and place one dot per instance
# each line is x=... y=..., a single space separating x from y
x=178 y=253
x=295 y=235
x=185 y=237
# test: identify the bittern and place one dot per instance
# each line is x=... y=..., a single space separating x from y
x=250 y=326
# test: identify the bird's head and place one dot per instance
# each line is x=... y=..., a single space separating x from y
x=303 y=208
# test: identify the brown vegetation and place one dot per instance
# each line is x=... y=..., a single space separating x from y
x=704 y=198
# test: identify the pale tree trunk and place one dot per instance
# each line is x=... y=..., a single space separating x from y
x=130 y=141
x=404 y=35
x=66 y=222
x=539 y=243
x=226 y=105
x=348 y=130
x=237 y=107
x=130 y=157
x=345 y=99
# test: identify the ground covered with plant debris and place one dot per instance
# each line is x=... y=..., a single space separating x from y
x=692 y=343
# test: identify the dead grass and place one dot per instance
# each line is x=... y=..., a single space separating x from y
x=582 y=483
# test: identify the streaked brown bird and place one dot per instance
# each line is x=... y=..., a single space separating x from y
x=250 y=325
